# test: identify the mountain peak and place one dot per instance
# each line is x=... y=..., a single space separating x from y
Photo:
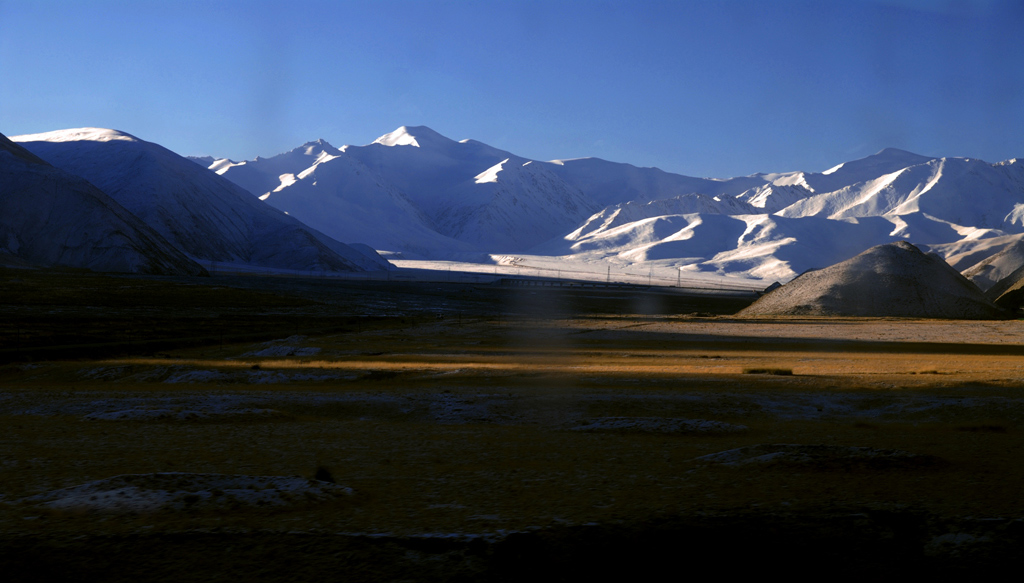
x=893 y=157
x=884 y=161
x=317 y=147
x=897 y=153
x=78 y=135
x=318 y=142
x=415 y=136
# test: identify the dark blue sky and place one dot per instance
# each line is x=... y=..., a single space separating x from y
x=699 y=88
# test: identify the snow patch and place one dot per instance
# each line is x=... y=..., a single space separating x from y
x=491 y=174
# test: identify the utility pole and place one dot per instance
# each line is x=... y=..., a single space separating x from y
x=609 y=280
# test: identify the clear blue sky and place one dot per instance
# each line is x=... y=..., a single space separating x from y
x=700 y=88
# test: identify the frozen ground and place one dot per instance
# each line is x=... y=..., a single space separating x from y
x=178 y=414
x=658 y=425
x=680 y=413
x=290 y=346
x=525 y=429
x=818 y=456
x=174 y=491
x=182 y=374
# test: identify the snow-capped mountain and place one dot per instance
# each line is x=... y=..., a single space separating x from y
x=609 y=183
x=484 y=196
x=618 y=215
x=889 y=196
x=204 y=215
x=264 y=175
x=426 y=166
x=418 y=191
x=338 y=195
x=50 y=217
x=960 y=191
x=768 y=225
x=996 y=267
x=969 y=252
x=513 y=205
x=752 y=245
x=771 y=198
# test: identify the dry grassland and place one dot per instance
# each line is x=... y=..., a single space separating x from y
x=470 y=427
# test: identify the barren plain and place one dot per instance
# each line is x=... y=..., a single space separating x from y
x=481 y=433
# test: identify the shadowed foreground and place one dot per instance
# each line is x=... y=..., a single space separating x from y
x=491 y=436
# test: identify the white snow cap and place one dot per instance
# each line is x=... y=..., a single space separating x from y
x=416 y=136
x=78 y=135
x=399 y=137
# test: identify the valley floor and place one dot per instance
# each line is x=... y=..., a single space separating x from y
x=491 y=435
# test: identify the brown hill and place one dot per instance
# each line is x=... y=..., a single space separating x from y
x=893 y=280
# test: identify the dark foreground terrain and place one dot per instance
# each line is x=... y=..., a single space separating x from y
x=491 y=434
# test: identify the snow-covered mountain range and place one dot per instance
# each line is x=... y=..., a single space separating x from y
x=205 y=216
x=416 y=192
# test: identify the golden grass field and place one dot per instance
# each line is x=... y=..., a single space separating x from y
x=464 y=426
